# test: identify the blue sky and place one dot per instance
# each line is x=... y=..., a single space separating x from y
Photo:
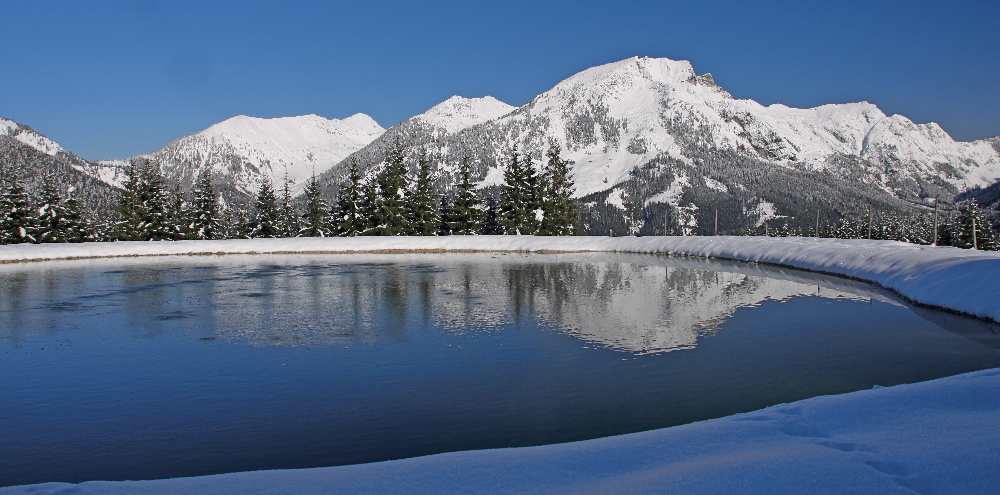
x=114 y=78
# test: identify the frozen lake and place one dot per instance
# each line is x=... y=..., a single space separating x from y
x=183 y=366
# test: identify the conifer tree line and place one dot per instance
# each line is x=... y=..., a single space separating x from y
x=398 y=200
x=392 y=202
x=965 y=226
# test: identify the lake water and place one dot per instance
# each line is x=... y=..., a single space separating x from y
x=163 y=367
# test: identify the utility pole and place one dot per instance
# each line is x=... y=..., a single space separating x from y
x=716 y=221
x=870 y=219
x=817 y=223
x=975 y=244
x=934 y=243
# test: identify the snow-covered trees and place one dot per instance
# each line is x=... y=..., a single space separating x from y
x=519 y=196
x=422 y=202
x=464 y=217
x=559 y=215
x=205 y=210
x=17 y=219
x=142 y=208
x=316 y=219
x=347 y=214
x=266 y=217
x=390 y=207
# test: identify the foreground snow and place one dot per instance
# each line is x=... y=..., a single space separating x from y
x=941 y=436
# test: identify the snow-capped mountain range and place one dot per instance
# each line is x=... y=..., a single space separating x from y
x=653 y=144
x=241 y=150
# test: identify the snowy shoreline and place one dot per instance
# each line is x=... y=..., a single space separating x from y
x=957 y=280
x=941 y=436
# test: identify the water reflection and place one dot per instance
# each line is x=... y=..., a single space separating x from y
x=635 y=303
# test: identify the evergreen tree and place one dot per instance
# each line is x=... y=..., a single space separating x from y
x=142 y=207
x=390 y=213
x=349 y=219
x=369 y=206
x=422 y=211
x=444 y=227
x=51 y=216
x=265 y=222
x=155 y=222
x=60 y=220
x=558 y=208
x=464 y=216
x=288 y=218
x=76 y=226
x=971 y=229
x=491 y=218
x=518 y=196
x=17 y=218
x=130 y=208
x=204 y=216
x=317 y=214
x=179 y=216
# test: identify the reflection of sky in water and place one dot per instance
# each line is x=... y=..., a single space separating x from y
x=634 y=303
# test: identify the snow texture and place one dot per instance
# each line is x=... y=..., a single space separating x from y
x=457 y=113
x=250 y=147
x=939 y=436
x=30 y=137
x=615 y=117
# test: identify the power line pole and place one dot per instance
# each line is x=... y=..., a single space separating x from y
x=934 y=243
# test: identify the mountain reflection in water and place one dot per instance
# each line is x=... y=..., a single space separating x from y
x=635 y=303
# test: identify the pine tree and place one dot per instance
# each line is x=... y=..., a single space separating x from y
x=390 y=213
x=317 y=214
x=204 y=216
x=422 y=211
x=558 y=208
x=155 y=223
x=518 y=196
x=491 y=218
x=465 y=217
x=130 y=208
x=288 y=216
x=264 y=223
x=369 y=206
x=51 y=216
x=17 y=218
x=76 y=226
x=444 y=227
x=971 y=228
x=179 y=216
x=348 y=219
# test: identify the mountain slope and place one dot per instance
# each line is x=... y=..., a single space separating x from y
x=32 y=156
x=241 y=150
x=658 y=145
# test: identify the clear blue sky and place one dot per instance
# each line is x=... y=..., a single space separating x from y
x=114 y=78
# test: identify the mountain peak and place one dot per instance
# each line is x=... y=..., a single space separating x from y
x=457 y=112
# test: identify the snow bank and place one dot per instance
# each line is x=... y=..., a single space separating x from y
x=945 y=277
x=941 y=436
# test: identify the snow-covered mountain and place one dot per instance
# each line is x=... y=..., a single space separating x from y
x=241 y=150
x=426 y=133
x=652 y=139
x=33 y=156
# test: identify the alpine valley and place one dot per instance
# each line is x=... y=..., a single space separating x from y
x=656 y=149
